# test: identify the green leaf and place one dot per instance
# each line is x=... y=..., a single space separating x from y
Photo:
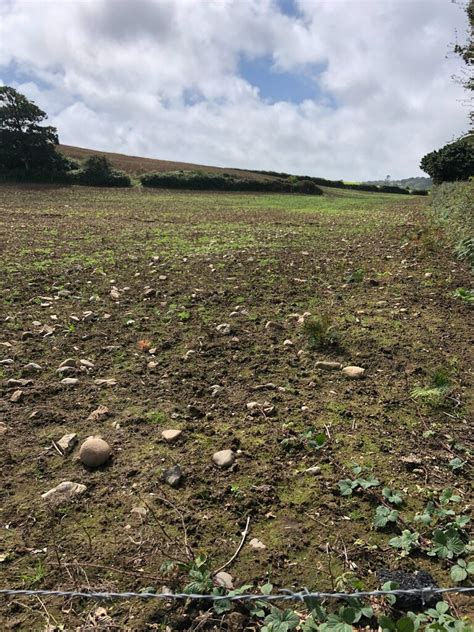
x=442 y=607
x=346 y=487
x=407 y=541
x=370 y=481
x=335 y=624
x=456 y=464
x=384 y=515
x=348 y=615
x=405 y=624
x=449 y=495
x=387 y=624
x=446 y=544
x=392 y=496
x=221 y=606
x=266 y=589
x=458 y=574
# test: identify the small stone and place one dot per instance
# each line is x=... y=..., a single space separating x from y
x=67 y=443
x=288 y=343
x=27 y=334
x=224 y=329
x=94 y=452
x=88 y=315
x=328 y=366
x=149 y=292
x=411 y=461
x=6 y=362
x=105 y=382
x=66 y=370
x=21 y=382
x=3 y=428
x=114 y=293
x=67 y=362
x=215 y=390
x=224 y=458
x=87 y=363
x=70 y=381
x=63 y=492
x=139 y=511
x=64 y=293
x=353 y=372
x=173 y=475
x=273 y=327
x=101 y=411
x=313 y=470
x=17 y=396
x=171 y=435
x=224 y=579
x=189 y=354
x=255 y=543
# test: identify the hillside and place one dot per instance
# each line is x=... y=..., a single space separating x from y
x=135 y=165
x=415 y=184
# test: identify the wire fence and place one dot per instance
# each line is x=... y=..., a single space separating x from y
x=284 y=595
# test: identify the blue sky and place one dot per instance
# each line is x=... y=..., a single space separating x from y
x=344 y=89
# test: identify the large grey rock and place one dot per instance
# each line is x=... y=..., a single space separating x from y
x=95 y=452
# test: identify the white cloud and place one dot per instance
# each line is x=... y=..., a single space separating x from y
x=161 y=79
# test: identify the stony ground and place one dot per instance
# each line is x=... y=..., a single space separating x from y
x=185 y=312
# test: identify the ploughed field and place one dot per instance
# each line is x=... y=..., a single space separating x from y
x=180 y=311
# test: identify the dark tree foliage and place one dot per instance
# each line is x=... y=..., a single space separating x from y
x=26 y=147
x=466 y=51
x=454 y=161
x=98 y=171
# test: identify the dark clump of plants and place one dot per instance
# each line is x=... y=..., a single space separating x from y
x=98 y=171
x=215 y=182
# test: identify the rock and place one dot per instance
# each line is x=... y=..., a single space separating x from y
x=66 y=370
x=189 y=354
x=215 y=390
x=16 y=396
x=70 y=381
x=171 y=435
x=13 y=382
x=224 y=458
x=31 y=367
x=67 y=362
x=313 y=470
x=255 y=543
x=94 y=452
x=114 y=293
x=105 y=382
x=3 y=428
x=64 y=293
x=27 y=334
x=273 y=327
x=67 y=443
x=101 y=411
x=224 y=579
x=328 y=366
x=63 y=492
x=224 y=329
x=288 y=343
x=6 y=362
x=87 y=363
x=149 y=292
x=411 y=461
x=173 y=475
x=353 y=372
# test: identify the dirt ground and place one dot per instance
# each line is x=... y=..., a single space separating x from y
x=136 y=283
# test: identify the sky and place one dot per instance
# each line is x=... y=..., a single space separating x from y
x=344 y=89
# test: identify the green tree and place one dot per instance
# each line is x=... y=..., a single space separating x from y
x=454 y=161
x=26 y=147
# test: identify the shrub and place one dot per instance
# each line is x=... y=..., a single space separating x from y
x=98 y=171
x=454 y=161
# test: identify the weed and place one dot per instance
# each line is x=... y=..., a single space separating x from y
x=320 y=332
x=465 y=295
x=434 y=394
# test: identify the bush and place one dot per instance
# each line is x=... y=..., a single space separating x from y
x=453 y=207
x=452 y=162
x=419 y=192
x=98 y=171
x=216 y=182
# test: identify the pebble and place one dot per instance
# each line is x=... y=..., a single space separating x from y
x=114 y=293
x=67 y=362
x=288 y=343
x=13 y=382
x=224 y=458
x=67 y=443
x=328 y=366
x=87 y=363
x=255 y=543
x=224 y=579
x=17 y=396
x=273 y=327
x=3 y=428
x=173 y=475
x=63 y=492
x=223 y=329
x=105 y=382
x=353 y=372
x=94 y=452
x=70 y=381
x=101 y=411
x=6 y=361
x=66 y=370
x=171 y=434
x=313 y=470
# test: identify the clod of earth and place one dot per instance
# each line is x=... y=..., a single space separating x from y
x=63 y=492
x=101 y=411
x=67 y=443
x=95 y=452
x=224 y=458
x=171 y=434
x=353 y=372
x=173 y=475
x=329 y=366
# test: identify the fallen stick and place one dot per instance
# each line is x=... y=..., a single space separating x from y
x=239 y=548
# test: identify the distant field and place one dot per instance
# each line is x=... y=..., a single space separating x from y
x=89 y=273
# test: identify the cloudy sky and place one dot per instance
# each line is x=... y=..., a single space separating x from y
x=353 y=89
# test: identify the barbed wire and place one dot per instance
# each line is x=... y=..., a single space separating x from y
x=283 y=595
